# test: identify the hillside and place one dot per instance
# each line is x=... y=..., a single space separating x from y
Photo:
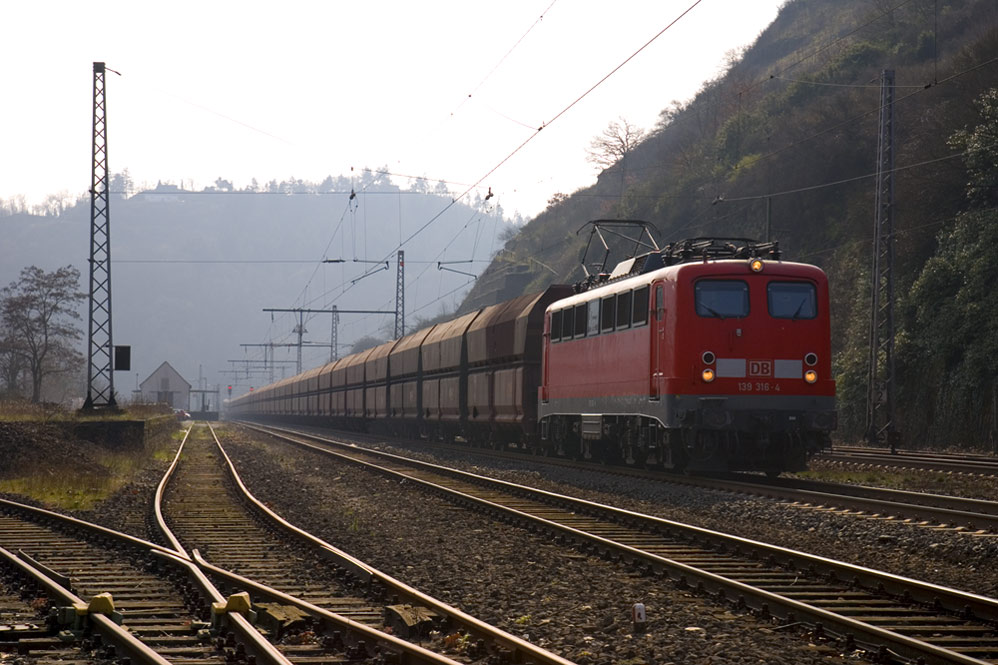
x=792 y=127
x=192 y=271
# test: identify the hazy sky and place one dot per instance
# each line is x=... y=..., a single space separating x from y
x=305 y=89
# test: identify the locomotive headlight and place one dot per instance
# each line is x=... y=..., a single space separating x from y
x=707 y=374
x=756 y=265
x=810 y=376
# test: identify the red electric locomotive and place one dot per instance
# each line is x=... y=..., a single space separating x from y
x=708 y=355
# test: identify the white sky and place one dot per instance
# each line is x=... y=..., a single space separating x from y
x=307 y=89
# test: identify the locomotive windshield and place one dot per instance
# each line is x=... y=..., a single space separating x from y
x=792 y=300
x=723 y=299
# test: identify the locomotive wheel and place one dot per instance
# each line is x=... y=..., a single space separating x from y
x=678 y=456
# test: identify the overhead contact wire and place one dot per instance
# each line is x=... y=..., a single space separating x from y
x=544 y=125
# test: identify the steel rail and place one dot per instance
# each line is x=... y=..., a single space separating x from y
x=988 y=458
x=123 y=640
x=980 y=465
x=158 y=499
x=388 y=642
x=361 y=570
x=96 y=529
x=201 y=565
x=941 y=510
x=918 y=591
x=521 y=649
x=255 y=643
x=250 y=637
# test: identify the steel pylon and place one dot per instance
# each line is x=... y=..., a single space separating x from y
x=880 y=414
x=100 y=370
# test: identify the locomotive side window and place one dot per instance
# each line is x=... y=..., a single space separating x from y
x=723 y=299
x=567 y=324
x=593 y=318
x=555 y=326
x=640 y=306
x=581 y=319
x=624 y=310
x=792 y=300
x=608 y=313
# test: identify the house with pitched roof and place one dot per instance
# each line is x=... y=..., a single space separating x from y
x=166 y=386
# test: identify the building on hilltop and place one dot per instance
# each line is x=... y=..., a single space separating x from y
x=166 y=386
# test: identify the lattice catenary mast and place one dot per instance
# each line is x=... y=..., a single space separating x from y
x=880 y=423
x=400 y=297
x=100 y=373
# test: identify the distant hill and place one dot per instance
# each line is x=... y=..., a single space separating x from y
x=792 y=126
x=193 y=270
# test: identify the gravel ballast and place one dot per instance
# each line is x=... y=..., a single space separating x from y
x=576 y=605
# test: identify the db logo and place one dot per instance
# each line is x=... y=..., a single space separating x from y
x=760 y=367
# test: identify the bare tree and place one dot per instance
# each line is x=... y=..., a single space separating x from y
x=38 y=312
x=13 y=364
x=618 y=139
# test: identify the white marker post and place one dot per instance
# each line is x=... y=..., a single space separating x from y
x=638 y=617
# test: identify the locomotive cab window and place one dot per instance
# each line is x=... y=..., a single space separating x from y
x=721 y=298
x=640 y=314
x=556 y=326
x=792 y=300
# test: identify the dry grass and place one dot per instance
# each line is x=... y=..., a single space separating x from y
x=66 y=491
x=20 y=411
x=917 y=480
x=24 y=411
x=64 y=486
x=46 y=464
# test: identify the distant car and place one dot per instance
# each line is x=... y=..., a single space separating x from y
x=181 y=414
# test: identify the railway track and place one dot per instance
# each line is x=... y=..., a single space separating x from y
x=927 y=509
x=336 y=604
x=913 y=459
x=24 y=627
x=974 y=516
x=111 y=595
x=893 y=616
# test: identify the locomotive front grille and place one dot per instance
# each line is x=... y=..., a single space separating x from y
x=745 y=415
